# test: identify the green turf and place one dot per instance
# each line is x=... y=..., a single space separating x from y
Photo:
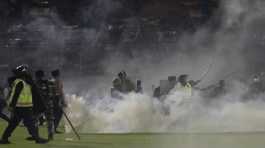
x=229 y=140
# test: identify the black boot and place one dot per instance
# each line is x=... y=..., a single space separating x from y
x=30 y=138
x=50 y=137
x=41 y=141
x=4 y=141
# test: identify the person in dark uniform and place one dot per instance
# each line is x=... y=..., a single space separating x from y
x=157 y=93
x=39 y=106
x=139 y=88
x=21 y=106
x=126 y=85
x=43 y=89
x=56 y=90
x=122 y=85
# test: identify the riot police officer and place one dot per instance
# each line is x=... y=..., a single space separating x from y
x=21 y=106
x=44 y=94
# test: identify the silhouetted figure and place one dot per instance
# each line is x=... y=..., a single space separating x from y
x=139 y=88
x=43 y=89
x=56 y=90
x=123 y=84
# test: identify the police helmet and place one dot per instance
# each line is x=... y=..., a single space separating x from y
x=22 y=69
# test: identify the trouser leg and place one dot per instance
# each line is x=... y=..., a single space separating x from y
x=3 y=116
x=14 y=121
x=50 y=123
x=51 y=129
x=30 y=123
x=58 y=117
x=58 y=112
x=30 y=131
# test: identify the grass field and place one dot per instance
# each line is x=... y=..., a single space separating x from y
x=228 y=140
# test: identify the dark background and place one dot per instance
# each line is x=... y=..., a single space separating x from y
x=76 y=35
x=24 y=21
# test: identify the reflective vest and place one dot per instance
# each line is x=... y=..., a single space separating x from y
x=25 y=96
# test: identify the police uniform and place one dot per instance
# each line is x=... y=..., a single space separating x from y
x=22 y=110
x=43 y=87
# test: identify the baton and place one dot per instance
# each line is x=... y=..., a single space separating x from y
x=69 y=121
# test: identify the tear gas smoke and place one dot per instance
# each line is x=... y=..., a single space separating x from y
x=229 y=47
x=234 y=45
x=142 y=113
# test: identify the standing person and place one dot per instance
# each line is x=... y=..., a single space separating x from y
x=139 y=88
x=56 y=86
x=39 y=106
x=43 y=89
x=120 y=82
x=116 y=88
x=127 y=86
x=183 y=87
x=181 y=96
x=156 y=93
x=123 y=84
x=21 y=106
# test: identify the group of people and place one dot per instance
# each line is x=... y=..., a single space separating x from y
x=122 y=84
x=173 y=84
x=31 y=101
x=39 y=100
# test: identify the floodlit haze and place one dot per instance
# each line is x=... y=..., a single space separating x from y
x=151 y=41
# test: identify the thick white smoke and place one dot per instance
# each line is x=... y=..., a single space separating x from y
x=142 y=113
x=241 y=21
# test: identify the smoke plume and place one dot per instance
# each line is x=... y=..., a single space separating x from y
x=235 y=46
x=231 y=42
